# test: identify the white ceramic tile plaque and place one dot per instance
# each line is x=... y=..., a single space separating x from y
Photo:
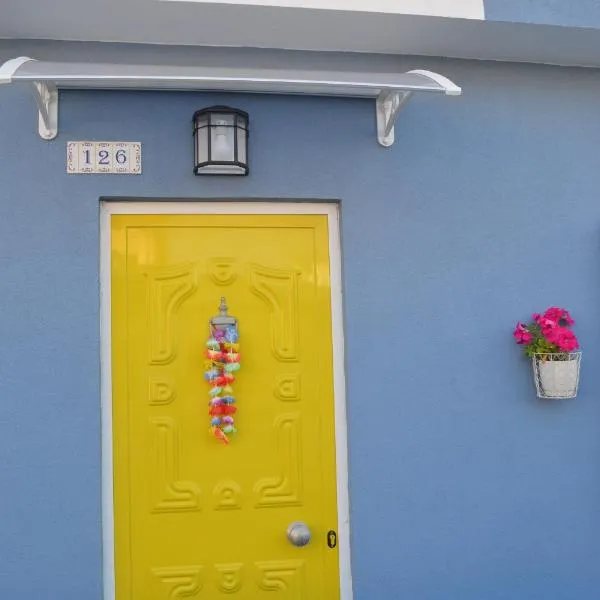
x=117 y=158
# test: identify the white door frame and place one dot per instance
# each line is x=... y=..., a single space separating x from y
x=224 y=208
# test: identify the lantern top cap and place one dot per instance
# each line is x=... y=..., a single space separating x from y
x=220 y=109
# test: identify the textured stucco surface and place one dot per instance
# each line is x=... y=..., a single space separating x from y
x=463 y=485
x=573 y=13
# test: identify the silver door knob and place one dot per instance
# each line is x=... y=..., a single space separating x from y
x=298 y=533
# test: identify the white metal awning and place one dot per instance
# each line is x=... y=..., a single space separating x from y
x=391 y=91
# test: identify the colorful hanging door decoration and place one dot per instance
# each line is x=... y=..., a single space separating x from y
x=223 y=360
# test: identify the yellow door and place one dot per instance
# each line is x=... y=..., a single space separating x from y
x=195 y=518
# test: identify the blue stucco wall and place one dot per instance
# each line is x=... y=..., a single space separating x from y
x=485 y=210
x=567 y=13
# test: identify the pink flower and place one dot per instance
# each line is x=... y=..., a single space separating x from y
x=559 y=314
x=548 y=333
x=554 y=313
x=567 y=318
x=565 y=339
x=547 y=325
x=522 y=336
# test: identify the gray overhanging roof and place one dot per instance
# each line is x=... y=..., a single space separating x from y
x=119 y=76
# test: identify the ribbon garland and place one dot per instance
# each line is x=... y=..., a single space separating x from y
x=222 y=352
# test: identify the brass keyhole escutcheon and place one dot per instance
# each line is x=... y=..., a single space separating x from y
x=332 y=538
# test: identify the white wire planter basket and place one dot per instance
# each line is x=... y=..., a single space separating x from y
x=556 y=375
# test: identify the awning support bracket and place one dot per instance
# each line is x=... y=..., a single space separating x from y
x=387 y=107
x=46 y=97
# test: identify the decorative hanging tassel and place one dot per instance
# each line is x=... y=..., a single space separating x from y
x=222 y=352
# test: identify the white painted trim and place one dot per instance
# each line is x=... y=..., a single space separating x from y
x=339 y=379
x=457 y=9
x=108 y=518
x=450 y=88
x=339 y=393
x=9 y=68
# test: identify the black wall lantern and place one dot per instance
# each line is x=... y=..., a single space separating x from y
x=220 y=141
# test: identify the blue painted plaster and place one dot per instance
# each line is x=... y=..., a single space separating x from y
x=463 y=486
x=569 y=13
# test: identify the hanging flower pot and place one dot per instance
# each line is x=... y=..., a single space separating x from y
x=551 y=345
x=556 y=375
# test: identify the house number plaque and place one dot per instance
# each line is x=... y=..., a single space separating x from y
x=112 y=158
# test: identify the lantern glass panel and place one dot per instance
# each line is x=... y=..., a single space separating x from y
x=201 y=144
x=241 y=145
x=225 y=119
x=202 y=120
x=221 y=140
